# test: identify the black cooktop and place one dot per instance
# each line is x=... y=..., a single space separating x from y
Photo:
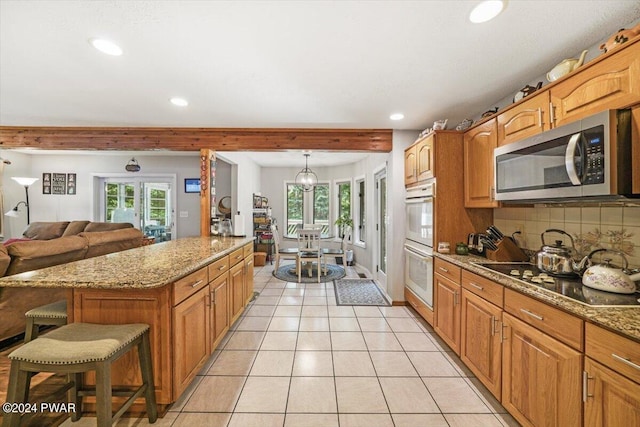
x=571 y=287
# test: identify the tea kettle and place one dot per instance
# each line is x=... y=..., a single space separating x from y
x=565 y=67
x=557 y=259
x=605 y=277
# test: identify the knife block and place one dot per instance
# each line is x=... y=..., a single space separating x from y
x=507 y=252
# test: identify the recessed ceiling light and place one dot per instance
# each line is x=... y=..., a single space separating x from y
x=180 y=102
x=486 y=10
x=396 y=116
x=106 y=46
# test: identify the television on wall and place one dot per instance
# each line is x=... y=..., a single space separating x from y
x=192 y=185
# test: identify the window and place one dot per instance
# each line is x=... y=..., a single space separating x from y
x=118 y=196
x=359 y=220
x=157 y=213
x=312 y=207
x=343 y=190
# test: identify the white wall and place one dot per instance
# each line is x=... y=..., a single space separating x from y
x=50 y=207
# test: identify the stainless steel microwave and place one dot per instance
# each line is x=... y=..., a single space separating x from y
x=587 y=159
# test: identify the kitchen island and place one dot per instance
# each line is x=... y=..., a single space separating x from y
x=188 y=290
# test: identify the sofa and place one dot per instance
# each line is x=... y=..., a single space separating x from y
x=45 y=244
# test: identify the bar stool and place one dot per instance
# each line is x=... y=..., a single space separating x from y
x=81 y=347
x=50 y=314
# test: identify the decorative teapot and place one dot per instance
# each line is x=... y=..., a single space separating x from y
x=526 y=91
x=622 y=36
x=440 y=124
x=605 y=277
x=565 y=67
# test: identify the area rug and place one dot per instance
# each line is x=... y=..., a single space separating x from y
x=359 y=292
x=288 y=274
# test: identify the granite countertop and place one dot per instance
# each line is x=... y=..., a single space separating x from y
x=624 y=320
x=145 y=267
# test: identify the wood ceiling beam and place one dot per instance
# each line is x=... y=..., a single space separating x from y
x=194 y=139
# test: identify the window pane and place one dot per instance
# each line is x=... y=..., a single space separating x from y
x=344 y=200
x=294 y=207
x=361 y=219
x=321 y=206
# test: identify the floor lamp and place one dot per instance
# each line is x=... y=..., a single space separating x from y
x=26 y=182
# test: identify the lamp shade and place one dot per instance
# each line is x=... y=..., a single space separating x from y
x=24 y=180
x=12 y=213
x=306 y=177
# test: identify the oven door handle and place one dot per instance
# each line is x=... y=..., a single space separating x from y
x=418 y=200
x=569 y=157
x=425 y=256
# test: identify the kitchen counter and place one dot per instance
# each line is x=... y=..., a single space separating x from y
x=623 y=320
x=145 y=267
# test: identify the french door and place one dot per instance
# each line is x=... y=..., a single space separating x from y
x=146 y=202
x=381 y=227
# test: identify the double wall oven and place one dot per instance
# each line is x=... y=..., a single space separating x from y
x=418 y=246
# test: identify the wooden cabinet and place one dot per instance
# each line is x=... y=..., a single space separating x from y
x=219 y=316
x=248 y=274
x=610 y=398
x=525 y=119
x=410 y=166
x=192 y=340
x=479 y=143
x=612 y=82
x=236 y=280
x=446 y=302
x=424 y=158
x=541 y=377
x=480 y=330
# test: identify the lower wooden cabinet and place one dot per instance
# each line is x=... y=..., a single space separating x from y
x=610 y=398
x=248 y=278
x=541 y=381
x=192 y=340
x=219 y=290
x=237 y=301
x=447 y=311
x=480 y=343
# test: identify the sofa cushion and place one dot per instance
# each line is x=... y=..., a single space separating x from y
x=106 y=242
x=107 y=226
x=5 y=259
x=13 y=240
x=27 y=256
x=45 y=230
x=75 y=227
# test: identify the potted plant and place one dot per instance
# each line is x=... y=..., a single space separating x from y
x=345 y=225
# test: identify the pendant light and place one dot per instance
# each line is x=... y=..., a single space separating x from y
x=306 y=177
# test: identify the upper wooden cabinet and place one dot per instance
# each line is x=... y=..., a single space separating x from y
x=529 y=118
x=419 y=161
x=479 y=143
x=611 y=83
x=424 y=156
x=410 y=166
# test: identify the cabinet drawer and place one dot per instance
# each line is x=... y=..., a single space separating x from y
x=485 y=288
x=189 y=285
x=557 y=323
x=247 y=250
x=615 y=351
x=218 y=267
x=418 y=305
x=236 y=256
x=448 y=270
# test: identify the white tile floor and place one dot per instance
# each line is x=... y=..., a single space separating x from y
x=296 y=359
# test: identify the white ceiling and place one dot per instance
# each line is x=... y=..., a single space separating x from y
x=325 y=64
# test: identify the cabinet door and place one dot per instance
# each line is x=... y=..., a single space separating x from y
x=248 y=279
x=447 y=311
x=479 y=143
x=611 y=399
x=191 y=338
x=480 y=346
x=219 y=289
x=541 y=377
x=424 y=157
x=526 y=119
x=237 y=290
x=607 y=85
x=410 y=166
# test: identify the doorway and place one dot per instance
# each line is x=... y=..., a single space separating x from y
x=146 y=202
x=380 y=200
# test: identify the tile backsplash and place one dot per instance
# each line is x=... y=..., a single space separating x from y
x=610 y=227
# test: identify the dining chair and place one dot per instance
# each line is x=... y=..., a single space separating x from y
x=338 y=252
x=309 y=250
x=282 y=253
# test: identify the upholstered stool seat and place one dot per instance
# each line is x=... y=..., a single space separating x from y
x=82 y=347
x=50 y=314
